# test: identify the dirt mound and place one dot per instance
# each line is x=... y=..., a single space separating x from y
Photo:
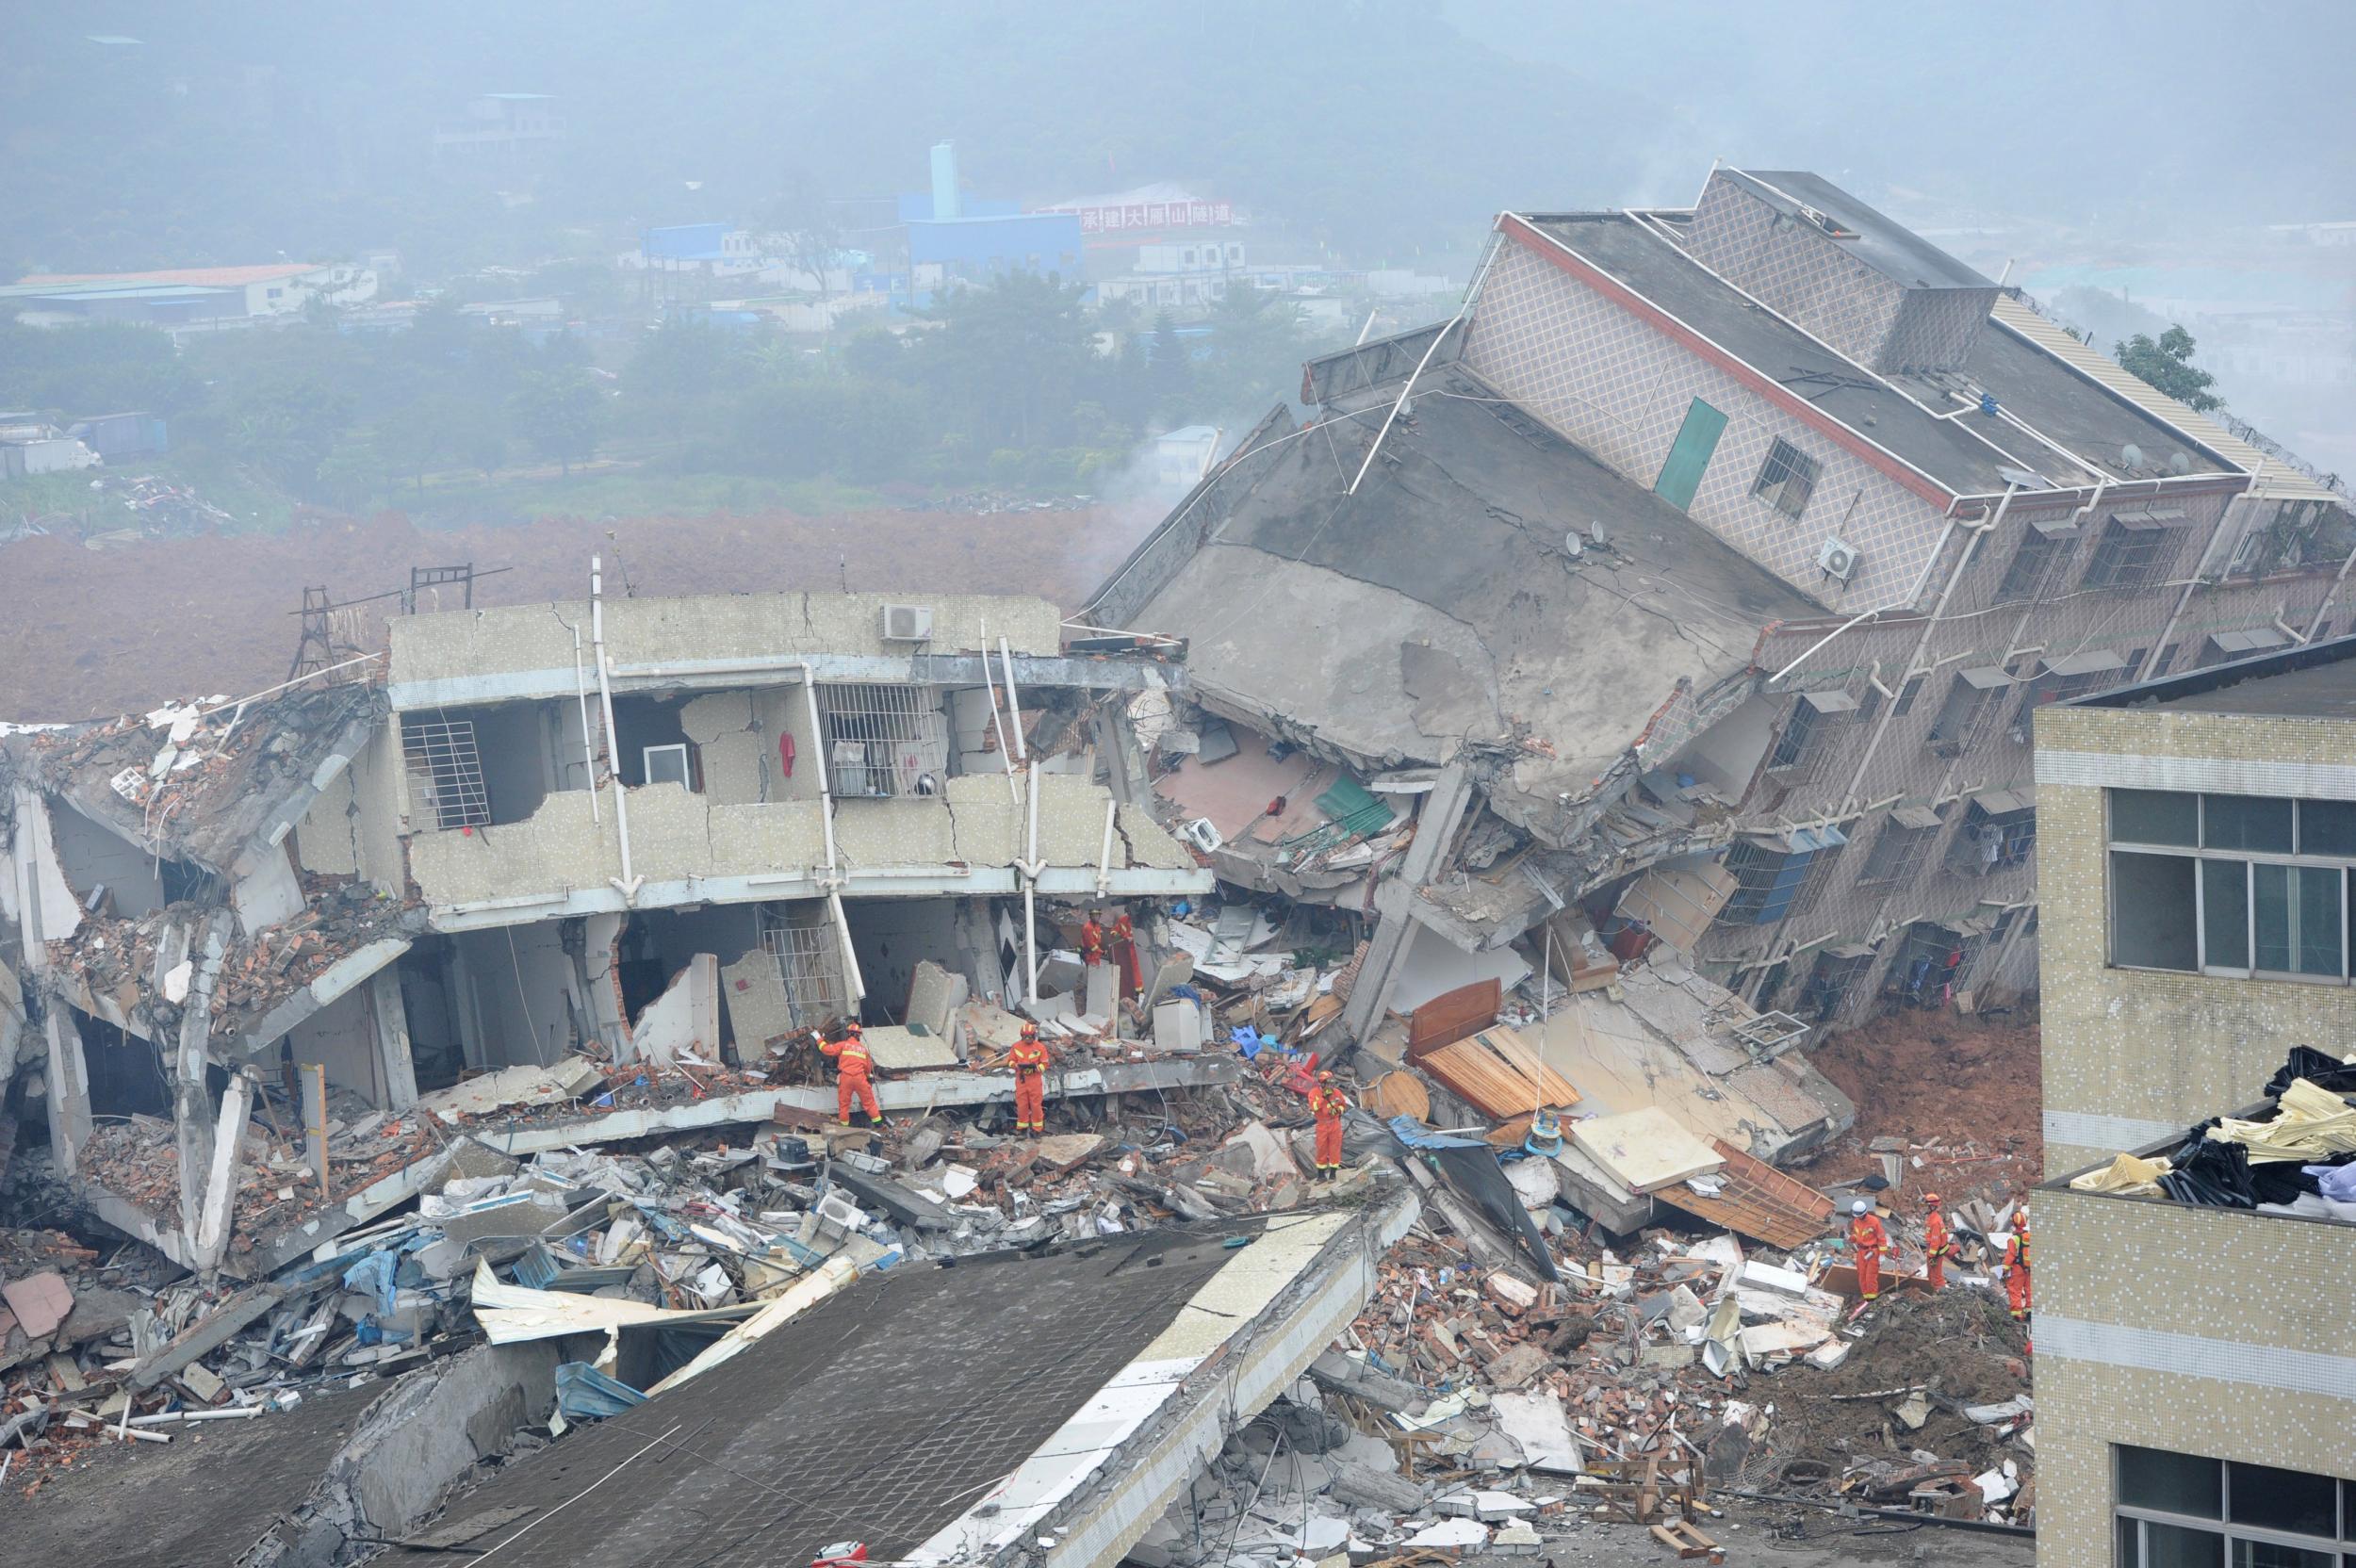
x=1960 y=1347
x=92 y=634
x=1968 y=1086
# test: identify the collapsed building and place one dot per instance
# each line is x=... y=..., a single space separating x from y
x=543 y=852
x=1697 y=583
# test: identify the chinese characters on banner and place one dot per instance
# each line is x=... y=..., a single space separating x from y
x=1153 y=214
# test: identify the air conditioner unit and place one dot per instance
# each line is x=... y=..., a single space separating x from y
x=1838 y=558
x=907 y=623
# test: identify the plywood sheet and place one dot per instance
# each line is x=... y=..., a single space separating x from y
x=1452 y=1017
x=1496 y=1073
x=1755 y=1199
x=1400 y=1094
x=1646 y=1150
x=1679 y=906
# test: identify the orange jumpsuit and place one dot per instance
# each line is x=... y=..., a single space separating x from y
x=1124 y=950
x=852 y=1064
x=1029 y=1060
x=1328 y=1103
x=1091 y=942
x=1938 y=1247
x=2017 y=1272
x=1868 y=1241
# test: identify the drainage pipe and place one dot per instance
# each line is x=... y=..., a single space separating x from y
x=1030 y=869
x=1014 y=707
x=990 y=683
x=825 y=792
x=627 y=882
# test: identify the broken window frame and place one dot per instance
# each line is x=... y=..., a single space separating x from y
x=805 y=944
x=2135 y=552
x=444 y=763
x=2040 y=555
x=1832 y=982
x=1767 y=886
x=1967 y=712
x=1791 y=742
x=2275 y=891
x=901 y=735
x=2014 y=834
x=1787 y=478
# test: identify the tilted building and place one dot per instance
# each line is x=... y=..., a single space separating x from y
x=635 y=831
x=1748 y=537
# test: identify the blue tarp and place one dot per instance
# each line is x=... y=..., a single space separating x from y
x=585 y=1393
x=1415 y=1134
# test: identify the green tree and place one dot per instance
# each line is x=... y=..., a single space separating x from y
x=1167 y=368
x=561 y=412
x=2168 y=364
x=352 y=474
x=421 y=435
x=802 y=223
x=1010 y=358
x=482 y=440
x=680 y=370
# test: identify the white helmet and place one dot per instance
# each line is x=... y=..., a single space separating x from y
x=1860 y=1206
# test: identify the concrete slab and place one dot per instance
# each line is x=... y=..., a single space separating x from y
x=760 y=1013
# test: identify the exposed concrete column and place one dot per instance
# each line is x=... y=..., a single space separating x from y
x=192 y=1108
x=1123 y=758
x=209 y=1239
x=601 y=980
x=68 y=1081
x=467 y=1009
x=392 y=1039
x=1435 y=829
x=978 y=944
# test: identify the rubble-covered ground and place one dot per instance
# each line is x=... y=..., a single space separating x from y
x=1961 y=1094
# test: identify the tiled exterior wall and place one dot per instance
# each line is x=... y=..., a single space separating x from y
x=1607 y=381
x=2159 y=1048
x=1797 y=270
x=2155 y=1324
x=1905 y=771
x=1936 y=328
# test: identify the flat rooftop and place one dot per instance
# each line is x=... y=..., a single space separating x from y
x=1971 y=453
x=2317 y=682
x=1886 y=245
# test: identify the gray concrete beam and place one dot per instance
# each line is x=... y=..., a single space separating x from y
x=922 y=669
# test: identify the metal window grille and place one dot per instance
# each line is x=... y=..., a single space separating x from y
x=808 y=952
x=1787 y=478
x=2167 y=658
x=2133 y=552
x=441 y=756
x=1755 y=869
x=1816 y=877
x=1906 y=693
x=1965 y=718
x=883 y=741
x=2039 y=553
x=1897 y=855
x=1792 y=744
x=1829 y=985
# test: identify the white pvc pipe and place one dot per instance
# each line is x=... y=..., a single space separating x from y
x=990 y=683
x=605 y=698
x=818 y=747
x=1030 y=898
x=1014 y=706
x=850 y=954
x=588 y=755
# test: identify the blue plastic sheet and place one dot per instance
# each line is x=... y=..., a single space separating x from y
x=1415 y=1134
x=373 y=1276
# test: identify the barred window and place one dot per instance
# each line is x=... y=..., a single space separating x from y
x=2134 y=551
x=1786 y=479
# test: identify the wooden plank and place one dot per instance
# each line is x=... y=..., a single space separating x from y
x=1498 y=1075
x=1758 y=1200
x=1451 y=1016
x=1400 y=1094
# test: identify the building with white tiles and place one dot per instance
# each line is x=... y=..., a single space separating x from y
x=1752 y=536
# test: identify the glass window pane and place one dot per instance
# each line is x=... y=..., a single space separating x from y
x=2152 y=909
x=2263 y=1553
x=2174 y=1546
x=2281 y=1499
x=2318 y=919
x=2126 y=1544
x=2270 y=898
x=2176 y=1483
x=2348 y=1511
x=2225 y=913
x=2154 y=817
x=2327 y=828
x=2246 y=822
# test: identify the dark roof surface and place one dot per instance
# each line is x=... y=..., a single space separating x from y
x=1441 y=605
x=2317 y=682
x=1886 y=245
x=1955 y=456
x=880 y=1416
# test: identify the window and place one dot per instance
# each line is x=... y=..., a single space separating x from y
x=2072 y=676
x=2175 y=1511
x=1832 y=981
x=2032 y=564
x=1999 y=830
x=1786 y=479
x=808 y=947
x=447 y=770
x=1900 y=847
x=1769 y=870
x=1792 y=744
x=667 y=765
x=1970 y=707
x=2231 y=885
x=1812 y=716
x=883 y=741
x=1906 y=693
x=2135 y=550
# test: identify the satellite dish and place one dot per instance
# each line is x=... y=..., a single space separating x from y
x=2179 y=461
x=2131 y=456
x=1594 y=530
x=1572 y=542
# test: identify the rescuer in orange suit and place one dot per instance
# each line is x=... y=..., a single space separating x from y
x=1124 y=950
x=1092 y=939
x=1328 y=1103
x=1868 y=1241
x=1029 y=1060
x=852 y=1065
x=2016 y=1264
x=1938 y=1246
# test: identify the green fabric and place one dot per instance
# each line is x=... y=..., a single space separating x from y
x=1354 y=809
